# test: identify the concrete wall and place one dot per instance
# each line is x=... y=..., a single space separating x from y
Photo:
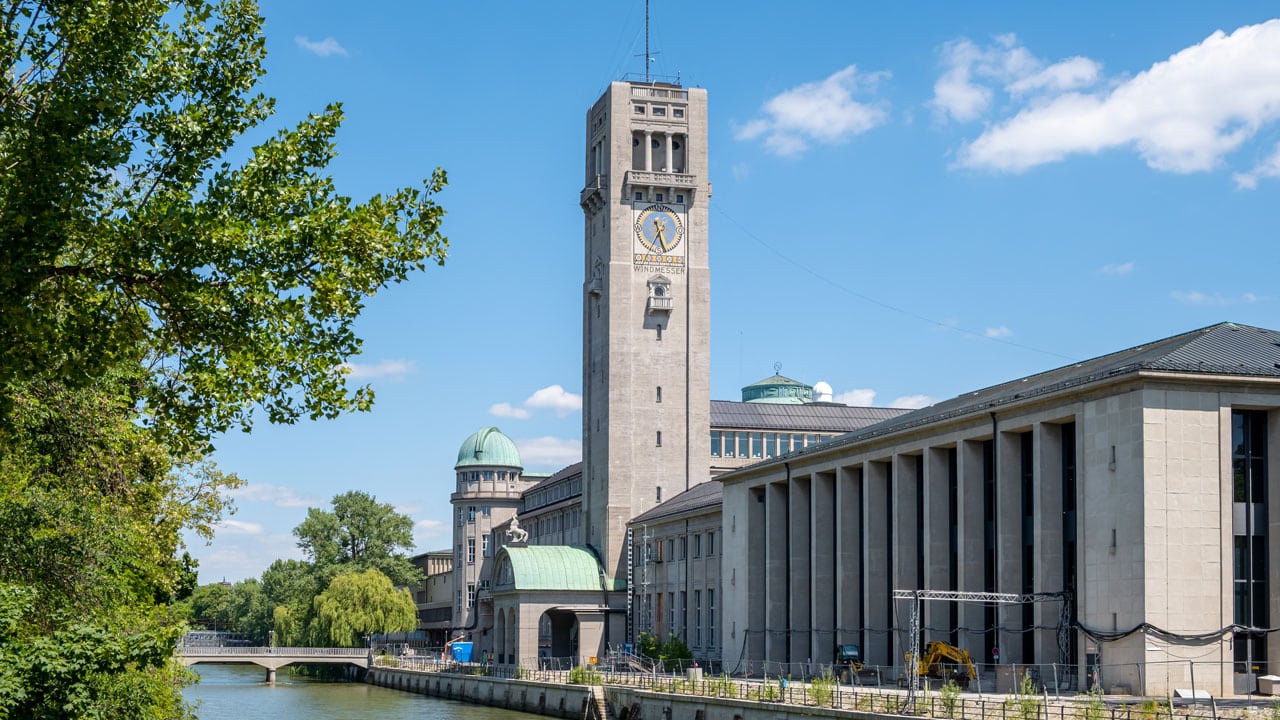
x=551 y=699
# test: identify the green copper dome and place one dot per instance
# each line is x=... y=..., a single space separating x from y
x=778 y=389
x=489 y=447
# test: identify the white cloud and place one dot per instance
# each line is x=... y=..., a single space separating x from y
x=555 y=397
x=1118 y=268
x=237 y=557
x=549 y=451
x=822 y=112
x=551 y=397
x=1268 y=168
x=506 y=410
x=912 y=402
x=393 y=370
x=427 y=531
x=861 y=397
x=1071 y=74
x=958 y=94
x=277 y=495
x=1195 y=297
x=998 y=332
x=237 y=527
x=1183 y=114
x=323 y=48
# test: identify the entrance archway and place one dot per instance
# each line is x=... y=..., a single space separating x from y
x=562 y=631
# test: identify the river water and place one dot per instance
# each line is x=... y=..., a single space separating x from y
x=237 y=692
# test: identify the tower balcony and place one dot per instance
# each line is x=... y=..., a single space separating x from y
x=662 y=179
x=593 y=193
x=660 y=304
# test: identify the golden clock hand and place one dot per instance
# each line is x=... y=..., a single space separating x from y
x=659 y=232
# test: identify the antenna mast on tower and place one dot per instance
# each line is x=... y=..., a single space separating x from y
x=647 y=57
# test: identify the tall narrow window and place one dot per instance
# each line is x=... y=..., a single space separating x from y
x=485 y=546
x=715 y=443
x=711 y=618
x=1028 y=482
x=471 y=551
x=658 y=439
x=1249 y=546
x=659 y=394
x=697 y=618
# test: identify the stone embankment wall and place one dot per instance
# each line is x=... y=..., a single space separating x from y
x=635 y=704
x=543 y=698
x=571 y=701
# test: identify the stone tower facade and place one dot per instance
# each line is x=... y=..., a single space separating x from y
x=646 y=307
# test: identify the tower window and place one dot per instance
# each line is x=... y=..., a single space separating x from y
x=660 y=197
x=658 y=439
x=680 y=198
x=639 y=109
x=659 y=112
x=639 y=195
x=678 y=112
x=659 y=326
x=659 y=497
x=659 y=394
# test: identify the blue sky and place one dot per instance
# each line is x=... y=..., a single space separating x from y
x=910 y=201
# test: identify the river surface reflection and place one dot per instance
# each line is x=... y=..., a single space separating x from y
x=237 y=692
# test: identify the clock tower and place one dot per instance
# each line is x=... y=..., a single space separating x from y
x=646 y=308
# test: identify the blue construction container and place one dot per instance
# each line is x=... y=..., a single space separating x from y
x=461 y=652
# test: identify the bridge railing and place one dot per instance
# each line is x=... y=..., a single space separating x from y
x=260 y=651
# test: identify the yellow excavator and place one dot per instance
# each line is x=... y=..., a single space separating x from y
x=946 y=662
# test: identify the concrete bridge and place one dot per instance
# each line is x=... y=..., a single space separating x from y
x=273 y=658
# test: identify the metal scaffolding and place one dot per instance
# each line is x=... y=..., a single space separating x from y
x=916 y=596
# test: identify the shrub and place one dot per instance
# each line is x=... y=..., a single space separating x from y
x=823 y=689
x=584 y=675
x=950 y=694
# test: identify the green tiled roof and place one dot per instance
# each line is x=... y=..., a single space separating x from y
x=489 y=447
x=777 y=389
x=554 y=567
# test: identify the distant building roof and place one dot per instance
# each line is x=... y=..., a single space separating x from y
x=1222 y=349
x=816 y=417
x=488 y=447
x=553 y=567
x=702 y=495
x=557 y=476
x=777 y=389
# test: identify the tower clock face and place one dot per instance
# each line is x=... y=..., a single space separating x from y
x=659 y=230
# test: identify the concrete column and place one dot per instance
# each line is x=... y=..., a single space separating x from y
x=849 y=576
x=969 y=467
x=648 y=150
x=906 y=546
x=776 y=577
x=755 y=578
x=271 y=676
x=823 y=539
x=937 y=540
x=801 y=574
x=526 y=650
x=876 y=551
x=669 y=138
x=1009 y=540
x=1048 y=537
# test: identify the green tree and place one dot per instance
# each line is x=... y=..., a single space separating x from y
x=360 y=533
x=291 y=586
x=153 y=295
x=357 y=604
x=127 y=236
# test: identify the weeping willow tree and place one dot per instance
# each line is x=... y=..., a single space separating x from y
x=356 y=605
